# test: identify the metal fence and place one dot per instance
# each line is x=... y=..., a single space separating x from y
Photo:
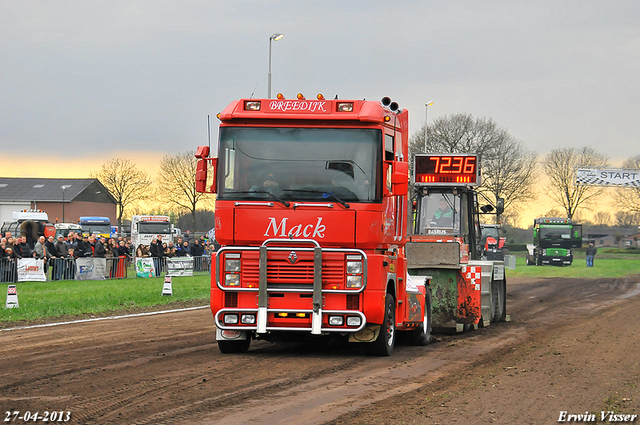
x=116 y=268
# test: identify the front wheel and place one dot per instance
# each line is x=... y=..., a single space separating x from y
x=383 y=346
x=422 y=335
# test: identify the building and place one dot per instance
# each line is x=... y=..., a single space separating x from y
x=64 y=200
x=631 y=241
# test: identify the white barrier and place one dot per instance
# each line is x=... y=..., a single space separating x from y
x=31 y=270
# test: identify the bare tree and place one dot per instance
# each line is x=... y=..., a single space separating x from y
x=560 y=165
x=602 y=218
x=125 y=181
x=627 y=219
x=508 y=168
x=177 y=182
x=628 y=198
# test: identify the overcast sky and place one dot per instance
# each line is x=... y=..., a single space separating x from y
x=96 y=80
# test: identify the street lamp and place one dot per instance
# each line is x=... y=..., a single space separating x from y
x=64 y=187
x=426 y=110
x=275 y=37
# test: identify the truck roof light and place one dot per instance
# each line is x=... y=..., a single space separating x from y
x=280 y=96
x=320 y=96
x=300 y=96
x=344 y=107
x=251 y=105
x=218 y=115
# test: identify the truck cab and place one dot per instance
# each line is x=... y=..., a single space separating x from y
x=311 y=213
x=553 y=241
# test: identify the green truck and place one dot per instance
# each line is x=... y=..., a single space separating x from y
x=553 y=241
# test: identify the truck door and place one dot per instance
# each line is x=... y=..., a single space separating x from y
x=576 y=235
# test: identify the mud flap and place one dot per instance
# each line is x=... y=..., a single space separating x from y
x=368 y=334
x=228 y=335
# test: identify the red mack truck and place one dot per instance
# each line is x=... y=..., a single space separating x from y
x=311 y=216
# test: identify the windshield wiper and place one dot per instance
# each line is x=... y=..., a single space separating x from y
x=276 y=197
x=324 y=195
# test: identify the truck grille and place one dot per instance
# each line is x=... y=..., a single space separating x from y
x=281 y=272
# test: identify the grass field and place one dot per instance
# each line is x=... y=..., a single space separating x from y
x=42 y=300
x=610 y=265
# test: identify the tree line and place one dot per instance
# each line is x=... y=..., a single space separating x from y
x=174 y=185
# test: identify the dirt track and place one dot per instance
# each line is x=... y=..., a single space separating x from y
x=572 y=345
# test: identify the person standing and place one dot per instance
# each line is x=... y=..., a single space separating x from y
x=59 y=263
x=41 y=252
x=156 y=251
x=591 y=252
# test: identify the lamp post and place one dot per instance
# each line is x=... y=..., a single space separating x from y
x=64 y=187
x=426 y=134
x=275 y=37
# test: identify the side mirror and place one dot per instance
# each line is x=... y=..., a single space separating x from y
x=500 y=206
x=400 y=178
x=202 y=170
x=486 y=209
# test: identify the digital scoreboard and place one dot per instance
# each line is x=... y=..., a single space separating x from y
x=446 y=170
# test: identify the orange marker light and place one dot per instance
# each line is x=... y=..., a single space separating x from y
x=320 y=96
x=280 y=96
x=300 y=96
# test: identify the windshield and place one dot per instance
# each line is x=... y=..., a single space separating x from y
x=556 y=232
x=439 y=211
x=157 y=228
x=104 y=229
x=490 y=231
x=299 y=164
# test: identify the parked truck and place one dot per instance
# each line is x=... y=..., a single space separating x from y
x=445 y=245
x=145 y=228
x=100 y=226
x=312 y=216
x=553 y=241
x=29 y=223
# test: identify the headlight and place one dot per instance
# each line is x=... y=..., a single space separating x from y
x=230 y=319
x=354 y=267
x=336 y=320
x=248 y=319
x=232 y=265
x=354 y=321
x=354 y=281
x=232 y=279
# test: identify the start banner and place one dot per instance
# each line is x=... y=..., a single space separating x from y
x=31 y=270
x=91 y=268
x=607 y=177
x=182 y=266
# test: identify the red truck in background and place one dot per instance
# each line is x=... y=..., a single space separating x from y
x=312 y=213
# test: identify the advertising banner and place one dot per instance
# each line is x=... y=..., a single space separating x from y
x=607 y=177
x=145 y=267
x=31 y=270
x=182 y=266
x=91 y=268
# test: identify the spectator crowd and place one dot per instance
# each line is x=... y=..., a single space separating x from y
x=57 y=253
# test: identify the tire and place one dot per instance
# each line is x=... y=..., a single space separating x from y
x=422 y=335
x=383 y=346
x=237 y=346
x=498 y=300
